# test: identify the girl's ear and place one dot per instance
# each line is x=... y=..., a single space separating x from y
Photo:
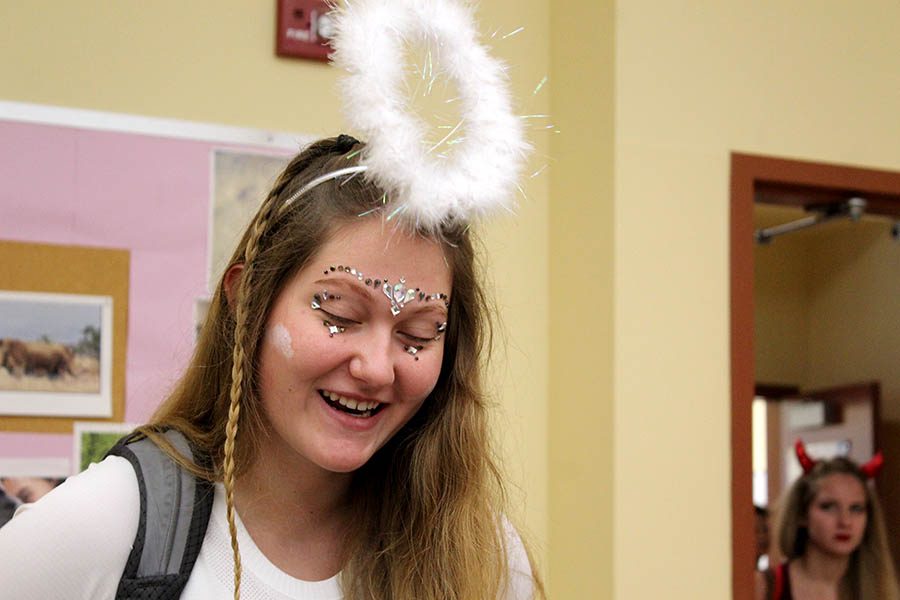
x=231 y=282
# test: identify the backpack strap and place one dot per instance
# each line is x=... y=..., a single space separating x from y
x=175 y=509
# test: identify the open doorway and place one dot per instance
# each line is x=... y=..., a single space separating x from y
x=765 y=192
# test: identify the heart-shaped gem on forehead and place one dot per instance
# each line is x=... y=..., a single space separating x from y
x=399 y=291
x=398 y=294
x=401 y=294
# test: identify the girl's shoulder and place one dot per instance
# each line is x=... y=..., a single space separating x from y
x=75 y=539
x=520 y=584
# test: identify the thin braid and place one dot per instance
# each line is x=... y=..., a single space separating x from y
x=239 y=356
x=237 y=381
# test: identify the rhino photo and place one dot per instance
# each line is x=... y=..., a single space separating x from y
x=36 y=358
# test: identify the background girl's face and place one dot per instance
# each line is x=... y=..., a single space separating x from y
x=27 y=489
x=837 y=516
x=340 y=373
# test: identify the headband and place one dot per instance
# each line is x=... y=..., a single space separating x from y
x=870 y=470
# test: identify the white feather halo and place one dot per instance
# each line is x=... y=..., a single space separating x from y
x=483 y=171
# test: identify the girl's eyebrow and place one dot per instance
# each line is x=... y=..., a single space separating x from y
x=352 y=285
x=437 y=308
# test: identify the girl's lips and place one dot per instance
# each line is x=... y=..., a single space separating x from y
x=842 y=537
x=359 y=422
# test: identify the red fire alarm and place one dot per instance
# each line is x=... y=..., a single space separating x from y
x=304 y=28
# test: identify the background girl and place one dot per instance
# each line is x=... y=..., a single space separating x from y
x=831 y=537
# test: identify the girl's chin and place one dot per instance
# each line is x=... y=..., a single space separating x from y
x=839 y=550
x=345 y=464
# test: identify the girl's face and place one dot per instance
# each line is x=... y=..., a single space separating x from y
x=343 y=366
x=27 y=489
x=837 y=515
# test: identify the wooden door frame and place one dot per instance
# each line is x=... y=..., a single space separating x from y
x=755 y=176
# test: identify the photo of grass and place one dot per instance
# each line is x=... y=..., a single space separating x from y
x=93 y=440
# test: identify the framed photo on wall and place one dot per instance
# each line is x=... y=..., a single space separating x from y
x=55 y=354
x=240 y=182
x=91 y=441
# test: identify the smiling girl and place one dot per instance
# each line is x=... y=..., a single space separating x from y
x=334 y=402
x=329 y=438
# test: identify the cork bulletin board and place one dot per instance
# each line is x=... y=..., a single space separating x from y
x=66 y=275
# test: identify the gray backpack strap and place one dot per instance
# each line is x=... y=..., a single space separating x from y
x=175 y=509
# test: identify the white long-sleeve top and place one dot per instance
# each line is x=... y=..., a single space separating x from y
x=74 y=542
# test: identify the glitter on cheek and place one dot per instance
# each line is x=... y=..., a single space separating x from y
x=281 y=338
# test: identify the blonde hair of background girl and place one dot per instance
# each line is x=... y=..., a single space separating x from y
x=428 y=507
x=870 y=571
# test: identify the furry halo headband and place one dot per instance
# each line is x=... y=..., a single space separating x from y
x=422 y=184
x=870 y=470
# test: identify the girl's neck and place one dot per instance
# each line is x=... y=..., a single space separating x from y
x=297 y=515
x=823 y=567
x=289 y=489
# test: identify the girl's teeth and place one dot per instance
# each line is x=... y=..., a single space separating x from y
x=350 y=403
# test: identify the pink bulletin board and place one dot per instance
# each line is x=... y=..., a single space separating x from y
x=83 y=178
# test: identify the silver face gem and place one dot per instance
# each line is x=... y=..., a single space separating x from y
x=333 y=329
x=318 y=299
x=413 y=350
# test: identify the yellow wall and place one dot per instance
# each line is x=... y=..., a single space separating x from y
x=826 y=302
x=695 y=81
x=581 y=300
x=518 y=260
x=215 y=62
x=211 y=62
x=855 y=303
x=781 y=298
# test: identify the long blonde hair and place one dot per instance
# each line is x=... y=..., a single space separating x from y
x=870 y=573
x=428 y=506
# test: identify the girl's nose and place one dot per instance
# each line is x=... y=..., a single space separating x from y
x=373 y=360
x=844 y=516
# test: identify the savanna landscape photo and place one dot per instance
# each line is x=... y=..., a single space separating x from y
x=48 y=344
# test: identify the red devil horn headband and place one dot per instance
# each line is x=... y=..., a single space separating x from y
x=870 y=470
x=803 y=458
x=873 y=467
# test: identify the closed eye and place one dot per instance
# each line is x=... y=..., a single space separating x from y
x=338 y=319
x=415 y=338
